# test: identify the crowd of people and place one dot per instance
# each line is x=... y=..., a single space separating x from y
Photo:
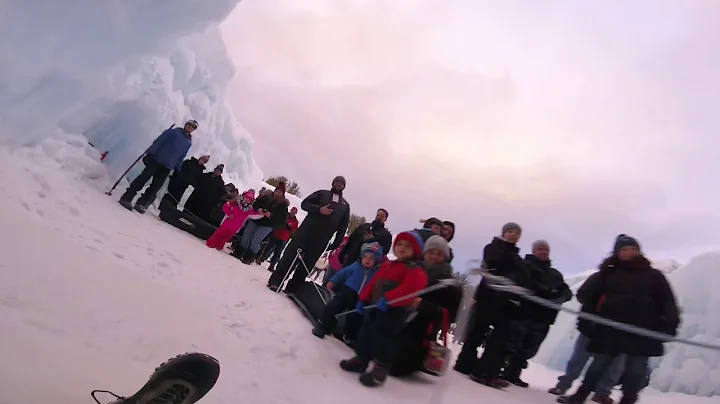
x=392 y=311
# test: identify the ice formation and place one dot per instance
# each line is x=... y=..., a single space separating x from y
x=119 y=72
x=683 y=369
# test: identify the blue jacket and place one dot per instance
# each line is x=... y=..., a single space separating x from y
x=355 y=275
x=170 y=148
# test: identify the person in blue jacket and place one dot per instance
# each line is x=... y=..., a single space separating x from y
x=165 y=154
x=347 y=284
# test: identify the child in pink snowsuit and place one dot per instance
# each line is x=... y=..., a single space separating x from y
x=236 y=214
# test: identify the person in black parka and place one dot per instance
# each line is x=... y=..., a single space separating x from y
x=494 y=308
x=367 y=233
x=208 y=191
x=274 y=206
x=533 y=322
x=628 y=290
x=191 y=169
x=430 y=310
x=328 y=215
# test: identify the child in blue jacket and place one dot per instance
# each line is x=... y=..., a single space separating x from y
x=347 y=284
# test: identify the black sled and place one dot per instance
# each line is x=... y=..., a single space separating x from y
x=184 y=379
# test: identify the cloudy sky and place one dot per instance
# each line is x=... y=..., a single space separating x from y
x=578 y=120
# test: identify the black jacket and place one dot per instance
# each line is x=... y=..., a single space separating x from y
x=206 y=195
x=351 y=251
x=501 y=257
x=320 y=227
x=630 y=292
x=278 y=209
x=190 y=171
x=549 y=284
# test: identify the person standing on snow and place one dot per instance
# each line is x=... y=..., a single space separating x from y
x=328 y=214
x=367 y=233
x=165 y=154
x=191 y=169
x=279 y=239
x=209 y=189
x=533 y=323
x=627 y=289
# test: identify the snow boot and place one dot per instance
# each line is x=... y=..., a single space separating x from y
x=271 y=268
x=602 y=399
x=578 y=398
x=126 y=204
x=518 y=382
x=628 y=399
x=354 y=365
x=247 y=257
x=319 y=331
x=185 y=379
x=495 y=383
x=376 y=377
x=557 y=391
x=140 y=208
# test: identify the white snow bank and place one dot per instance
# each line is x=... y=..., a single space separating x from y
x=93 y=296
x=119 y=72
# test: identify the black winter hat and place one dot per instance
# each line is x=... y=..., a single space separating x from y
x=624 y=241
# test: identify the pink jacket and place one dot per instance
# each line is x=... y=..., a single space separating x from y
x=236 y=215
x=334 y=256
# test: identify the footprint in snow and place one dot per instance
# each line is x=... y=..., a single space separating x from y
x=41 y=195
x=162 y=264
x=119 y=255
x=25 y=205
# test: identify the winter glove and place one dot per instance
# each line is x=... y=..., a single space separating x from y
x=383 y=304
x=147 y=158
x=360 y=307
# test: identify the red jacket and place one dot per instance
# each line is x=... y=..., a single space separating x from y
x=393 y=280
x=284 y=233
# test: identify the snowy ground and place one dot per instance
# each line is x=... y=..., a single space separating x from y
x=94 y=296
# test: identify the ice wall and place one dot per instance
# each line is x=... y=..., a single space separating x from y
x=118 y=72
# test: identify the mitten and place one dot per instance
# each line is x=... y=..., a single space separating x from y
x=382 y=304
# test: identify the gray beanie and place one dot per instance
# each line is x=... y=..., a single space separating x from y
x=540 y=243
x=511 y=226
x=437 y=243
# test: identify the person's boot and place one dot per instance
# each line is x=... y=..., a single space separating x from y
x=578 y=398
x=319 y=331
x=271 y=268
x=247 y=257
x=258 y=260
x=512 y=375
x=355 y=364
x=375 y=377
x=628 y=399
x=184 y=379
x=140 y=208
x=126 y=203
x=602 y=399
x=557 y=391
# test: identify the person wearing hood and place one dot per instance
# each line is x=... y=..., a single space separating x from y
x=180 y=181
x=165 y=154
x=209 y=189
x=430 y=228
x=531 y=326
x=627 y=289
x=367 y=233
x=328 y=215
x=274 y=210
x=347 y=284
x=494 y=308
x=279 y=239
x=434 y=311
x=236 y=213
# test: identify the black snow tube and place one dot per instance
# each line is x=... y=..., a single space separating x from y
x=311 y=304
x=189 y=223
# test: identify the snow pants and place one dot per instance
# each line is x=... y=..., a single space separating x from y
x=175 y=191
x=378 y=335
x=345 y=299
x=311 y=251
x=579 y=358
x=153 y=170
x=606 y=367
x=220 y=237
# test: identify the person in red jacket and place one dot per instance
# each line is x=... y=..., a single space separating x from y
x=279 y=239
x=394 y=280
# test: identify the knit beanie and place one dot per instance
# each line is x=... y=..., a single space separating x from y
x=625 y=241
x=437 y=243
x=373 y=248
x=280 y=186
x=415 y=240
x=250 y=194
x=540 y=244
x=510 y=226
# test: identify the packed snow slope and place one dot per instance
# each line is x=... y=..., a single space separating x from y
x=683 y=369
x=119 y=72
x=93 y=296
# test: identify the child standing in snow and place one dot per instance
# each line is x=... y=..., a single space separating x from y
x=394 y=280
x=347 y=284
x=236 y=213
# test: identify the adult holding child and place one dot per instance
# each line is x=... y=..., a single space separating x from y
x=328 y=215
x=274 y=210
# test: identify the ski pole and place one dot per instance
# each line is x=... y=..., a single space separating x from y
x=441 y=284
x=109 y=193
